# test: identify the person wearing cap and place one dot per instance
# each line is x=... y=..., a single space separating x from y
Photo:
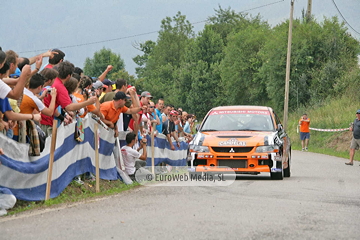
x=168 y=129
x=107 y=85
x=121 y=85
x=304 y=124
x=355 y=141
x=112 y=109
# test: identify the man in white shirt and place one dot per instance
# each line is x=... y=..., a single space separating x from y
x=130 y=155
x=6 y=91
x=31 y=101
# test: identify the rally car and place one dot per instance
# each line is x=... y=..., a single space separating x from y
x=242 y=139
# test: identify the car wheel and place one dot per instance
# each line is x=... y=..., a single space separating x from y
x=287 y=172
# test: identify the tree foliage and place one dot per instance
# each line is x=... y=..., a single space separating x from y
x=239 y=59
x=95 y=66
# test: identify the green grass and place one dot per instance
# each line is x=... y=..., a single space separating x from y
x=74 y=192
x=335 y=114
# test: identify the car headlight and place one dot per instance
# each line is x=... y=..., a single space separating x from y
x=198 y=148
x=263 y=149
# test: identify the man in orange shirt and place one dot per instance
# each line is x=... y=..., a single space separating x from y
x=304 y=124
x=112 y=109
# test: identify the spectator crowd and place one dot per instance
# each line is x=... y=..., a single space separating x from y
x=32 y=96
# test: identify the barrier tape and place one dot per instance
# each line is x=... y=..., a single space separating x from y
x=324 y=130
x=330 y=130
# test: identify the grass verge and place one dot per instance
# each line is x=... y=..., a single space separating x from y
x=74 y=192
x=336 y=113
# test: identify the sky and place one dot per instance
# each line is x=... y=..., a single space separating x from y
x=82 y=27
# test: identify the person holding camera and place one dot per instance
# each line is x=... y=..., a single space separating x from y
x=65 y=70
x=31 y=103
x=355 y=141
x=130 y=155
x=304 y=124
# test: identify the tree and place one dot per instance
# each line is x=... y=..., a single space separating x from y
x=226 y=21
x=197 y=84
x=160 y=61
x=95 y=66
x=141 y=60
x=321 y=55
x=239 y=69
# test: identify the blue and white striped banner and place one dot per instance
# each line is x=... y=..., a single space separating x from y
x=26 y=177
x=163 y=152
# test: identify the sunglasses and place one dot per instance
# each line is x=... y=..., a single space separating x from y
x=151 y=107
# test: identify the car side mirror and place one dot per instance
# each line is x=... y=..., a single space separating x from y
x=280 y=127
x=197 y=127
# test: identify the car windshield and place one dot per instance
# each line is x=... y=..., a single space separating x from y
x=238 y=121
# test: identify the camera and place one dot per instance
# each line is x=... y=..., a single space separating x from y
x=92 y=92
x=49 y=90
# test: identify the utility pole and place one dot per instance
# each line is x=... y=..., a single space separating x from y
x=308 y=11
x=287 y=78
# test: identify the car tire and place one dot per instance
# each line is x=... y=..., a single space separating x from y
x=287 y=172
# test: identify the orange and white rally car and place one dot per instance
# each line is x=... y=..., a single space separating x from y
x=242 y=139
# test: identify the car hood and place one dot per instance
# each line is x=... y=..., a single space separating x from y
x=231 y=138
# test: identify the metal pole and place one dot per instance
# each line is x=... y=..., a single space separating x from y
x=153 y=148
x=287 y=79
x=97 y=168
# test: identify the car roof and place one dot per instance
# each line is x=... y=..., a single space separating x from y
x=242 y=107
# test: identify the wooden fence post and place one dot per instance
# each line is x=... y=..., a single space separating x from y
x=51 y=159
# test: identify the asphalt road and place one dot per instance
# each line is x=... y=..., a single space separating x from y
x=321 y=200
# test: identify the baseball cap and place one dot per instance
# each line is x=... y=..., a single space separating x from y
x=16 y=74
x=120 y=95
x=146 y=94
x=173 y=112
x=107 y=82
x=358 y=111
x=98 y=84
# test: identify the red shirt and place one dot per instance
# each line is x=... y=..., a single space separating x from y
x=62 y=99
x=49 y=66
x=131 y=123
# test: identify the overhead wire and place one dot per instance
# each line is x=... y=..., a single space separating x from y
x=141 y=34
x=344 y=18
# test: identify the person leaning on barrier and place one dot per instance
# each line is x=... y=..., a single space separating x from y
x=112 y=109
x=355 y=141
x=169 y=129
x=130 y=155
x=65 y=70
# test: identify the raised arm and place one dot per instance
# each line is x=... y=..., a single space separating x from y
x=48 y=53
x=103 y=75
x=19 y=87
